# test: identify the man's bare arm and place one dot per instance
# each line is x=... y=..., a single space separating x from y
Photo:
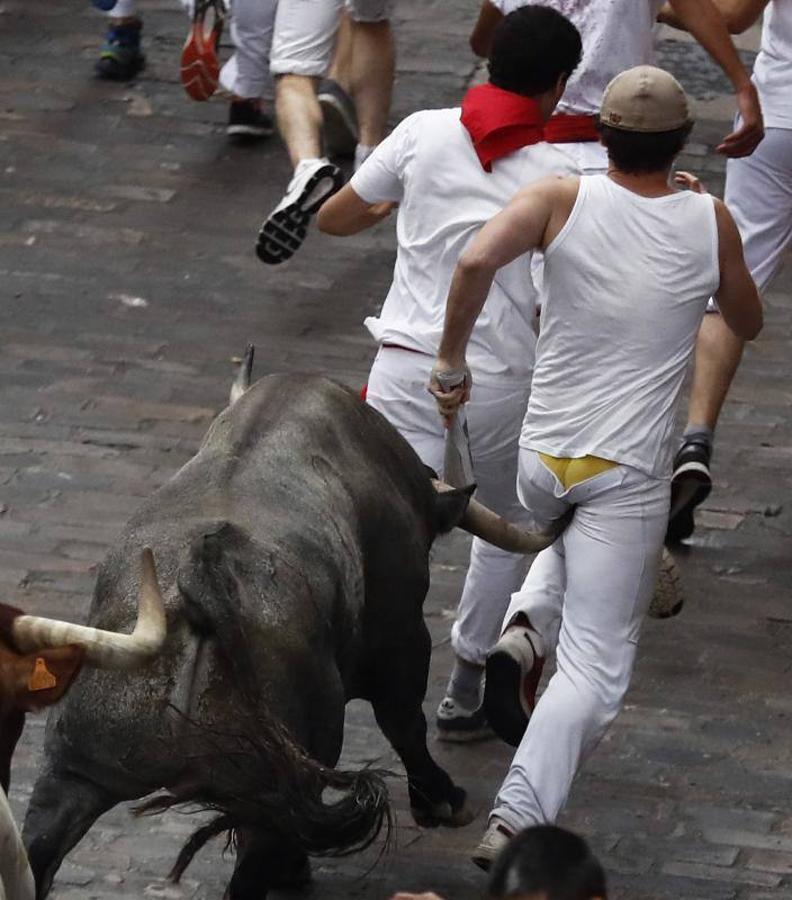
x=737 y=297
x=481 y=36
x=704 y=21
x=529 y=221
x=347 y=213
x=738 y=14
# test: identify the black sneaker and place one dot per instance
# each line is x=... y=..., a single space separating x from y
x=121 y=58
x=284 y=229
x=340 y=128
x=246 y=121
x=691 y=484
x=457 y=725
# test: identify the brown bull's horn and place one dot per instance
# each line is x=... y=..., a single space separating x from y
x=105 y=649
x=490 y=527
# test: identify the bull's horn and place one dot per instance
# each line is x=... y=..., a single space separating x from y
x=242 y=380
x=490 y=527
x=104 y=649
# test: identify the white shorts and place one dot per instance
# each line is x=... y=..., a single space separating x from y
x=305 y=32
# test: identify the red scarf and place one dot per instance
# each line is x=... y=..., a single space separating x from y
x=500 y=122
x=571 y=129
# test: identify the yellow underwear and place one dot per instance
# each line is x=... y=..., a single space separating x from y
x=570 y=472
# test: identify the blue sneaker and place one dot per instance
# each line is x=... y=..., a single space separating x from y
x=121 y=58
x=104 y=5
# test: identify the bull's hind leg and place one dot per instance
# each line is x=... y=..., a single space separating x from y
x=266 y=862
x=62 y=809
x=396 y=688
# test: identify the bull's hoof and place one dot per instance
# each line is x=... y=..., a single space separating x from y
x=454 y=813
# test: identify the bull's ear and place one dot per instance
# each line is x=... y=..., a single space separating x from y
x=42 y=678
x=450 y=506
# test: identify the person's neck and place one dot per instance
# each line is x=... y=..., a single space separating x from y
x=648 y=184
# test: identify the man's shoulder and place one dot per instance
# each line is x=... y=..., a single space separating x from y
x=549 y=160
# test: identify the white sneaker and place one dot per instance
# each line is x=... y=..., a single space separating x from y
x=458 y=725
x=284 y=229
x=514 y=667
x=668 y=598
x=495 y=838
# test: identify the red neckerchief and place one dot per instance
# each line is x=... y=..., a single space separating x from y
x=500 y=122
x=571 y=129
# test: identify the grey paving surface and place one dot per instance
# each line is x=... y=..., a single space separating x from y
x=127 y=283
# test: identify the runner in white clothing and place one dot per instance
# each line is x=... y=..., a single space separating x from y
x=629 y=266
x=618 y=34
x=434 y=165
x=759 y=196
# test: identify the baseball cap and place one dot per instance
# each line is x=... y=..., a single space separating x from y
x=645 y=99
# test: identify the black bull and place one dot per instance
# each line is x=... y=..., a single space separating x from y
x=292 y=553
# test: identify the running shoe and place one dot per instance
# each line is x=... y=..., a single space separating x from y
x=514 y=667
x=668 y=598
x=246 y=121
x=284 y=229
x=104 y=5
x=492 y=843
x=121 y=58
x=457 y=725
x=691 y=484
x=340 y=127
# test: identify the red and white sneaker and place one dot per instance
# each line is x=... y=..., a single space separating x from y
x=492 y=843
x=514 y=667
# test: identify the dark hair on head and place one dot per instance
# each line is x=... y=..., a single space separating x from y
x=640 y=152
x=547 y=860
x=531 y=48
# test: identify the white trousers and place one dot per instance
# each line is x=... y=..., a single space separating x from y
x=397 y=389
x=759 y=195
x=587 y=596
x=305 y=32
x=247 y=72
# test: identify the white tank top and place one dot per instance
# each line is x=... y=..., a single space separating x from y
x=616 y=35
x=773 y=67
x=627 y=281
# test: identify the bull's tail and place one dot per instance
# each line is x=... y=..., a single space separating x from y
x=258 y=777
x=263 y=780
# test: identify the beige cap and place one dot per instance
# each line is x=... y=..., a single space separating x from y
x=645 y=99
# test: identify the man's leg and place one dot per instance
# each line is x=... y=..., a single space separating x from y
x=611 y=552
x=121 y=57
x=246 y=75
x=494 y=416
x=302 y=45
x=759 y=195
x=371 y=75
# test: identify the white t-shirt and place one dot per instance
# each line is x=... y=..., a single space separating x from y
x=627 y=281
x=616 y=35
x=428 y=165
x=773 y=66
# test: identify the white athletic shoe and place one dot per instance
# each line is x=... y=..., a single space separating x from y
x=514 y=667
x=284 y=229
x=668 y=598
x=495 y=838
x=458 y=725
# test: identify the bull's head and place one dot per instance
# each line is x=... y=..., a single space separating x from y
x=40 y=658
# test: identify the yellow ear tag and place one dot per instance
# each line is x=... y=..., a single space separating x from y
x=41 y=679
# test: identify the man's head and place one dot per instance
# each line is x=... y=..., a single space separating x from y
x=644 y=120
x=547 y=863
x=534 y=50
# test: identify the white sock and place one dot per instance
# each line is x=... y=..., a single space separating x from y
x=123 y=9
x=362 y=153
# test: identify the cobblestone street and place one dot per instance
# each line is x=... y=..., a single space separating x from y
x=127 y=284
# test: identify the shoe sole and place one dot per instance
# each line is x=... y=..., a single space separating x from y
x=340 y=132
x=283 y=231
x=692 y=484
x=461 y=736
x=483 y=862
x=249 y=131
x=502 y=706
